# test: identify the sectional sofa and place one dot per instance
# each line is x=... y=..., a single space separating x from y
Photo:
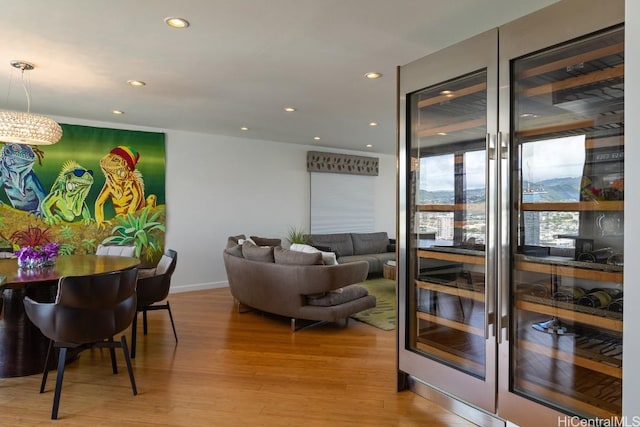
x=374 y=248
x=294 y=284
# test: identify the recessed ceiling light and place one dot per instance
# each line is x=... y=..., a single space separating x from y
x=442 y=133
x=174 y=22
x=136 y=83
x=369 y=145
x=117 y=112
x=373 y=75
x=529 y=116
x=317 y=138
x=244 y=128
x=373 y=124
x=448 y=93
x=289 y=109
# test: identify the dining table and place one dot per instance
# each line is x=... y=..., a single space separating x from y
x=23 y=348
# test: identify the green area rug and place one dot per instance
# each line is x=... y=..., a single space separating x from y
x=383 y=315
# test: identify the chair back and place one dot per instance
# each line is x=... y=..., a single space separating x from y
x=156 y=288
x=167 y=263
x=87 y=308
x=118 y=250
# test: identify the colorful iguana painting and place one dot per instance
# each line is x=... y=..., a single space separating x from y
x=66 y=200
x=22 y=186
x=123 y=184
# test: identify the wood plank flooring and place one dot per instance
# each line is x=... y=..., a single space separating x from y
x=231 y=369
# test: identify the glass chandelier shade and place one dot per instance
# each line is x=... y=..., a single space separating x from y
x=27 y=128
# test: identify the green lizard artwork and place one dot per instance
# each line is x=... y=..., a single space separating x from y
x=66 y=200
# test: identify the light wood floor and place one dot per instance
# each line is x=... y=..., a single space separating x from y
x=231 y=369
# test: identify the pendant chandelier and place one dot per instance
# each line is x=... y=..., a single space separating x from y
x=27 y=128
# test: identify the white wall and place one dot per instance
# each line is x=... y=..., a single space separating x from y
x=631 y=355
x=218 y=186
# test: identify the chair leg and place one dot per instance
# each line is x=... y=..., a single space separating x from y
x=45 y=371
x=127 y=359
x=56 y=397
x=144 y=321
x=134 y=330
x=112 y=352
x=173 y=325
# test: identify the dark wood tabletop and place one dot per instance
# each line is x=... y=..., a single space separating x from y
x=65 y=265
x=22 y=346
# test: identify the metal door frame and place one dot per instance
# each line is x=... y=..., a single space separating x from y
x=475 y=54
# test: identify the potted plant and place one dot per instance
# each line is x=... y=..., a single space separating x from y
x=299 y=236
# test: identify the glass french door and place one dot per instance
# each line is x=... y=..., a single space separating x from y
x=566 y=234
x=448 y=284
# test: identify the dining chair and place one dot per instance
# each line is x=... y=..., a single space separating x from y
x=118 y=250
x=87 y=312
x=153 y=289
x=6 y=252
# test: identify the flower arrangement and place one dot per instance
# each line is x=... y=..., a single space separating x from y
x=37 y=256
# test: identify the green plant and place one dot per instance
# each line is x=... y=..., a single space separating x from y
x=66 y=232
x=66 y=249
x=89 y=245
x=138 y=230
x=298 y=236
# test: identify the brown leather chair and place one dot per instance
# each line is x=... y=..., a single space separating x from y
x=87 y=312
x=153 y=288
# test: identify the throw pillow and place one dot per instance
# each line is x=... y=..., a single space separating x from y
x=163 y=264
x=257 y=253
x=234 y=250
x=234 y=240
x=349 y=293
x=328 y=258
x=300 y=247
x=265 y=241
x=285 y=256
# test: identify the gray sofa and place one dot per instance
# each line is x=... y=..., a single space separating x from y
x=294 y=284
x=374 y=248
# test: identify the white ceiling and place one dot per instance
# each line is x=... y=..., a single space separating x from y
x=238 y=64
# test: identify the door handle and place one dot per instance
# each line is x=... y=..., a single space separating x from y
x=502 y=294
x=490 y=267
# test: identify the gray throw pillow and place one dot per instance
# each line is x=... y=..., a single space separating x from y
x=233 y=240
x=234 y=250
x=339 y=296
x=285 y=256
x=257 y=253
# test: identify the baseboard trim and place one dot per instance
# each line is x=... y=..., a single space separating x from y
x=198 y=287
